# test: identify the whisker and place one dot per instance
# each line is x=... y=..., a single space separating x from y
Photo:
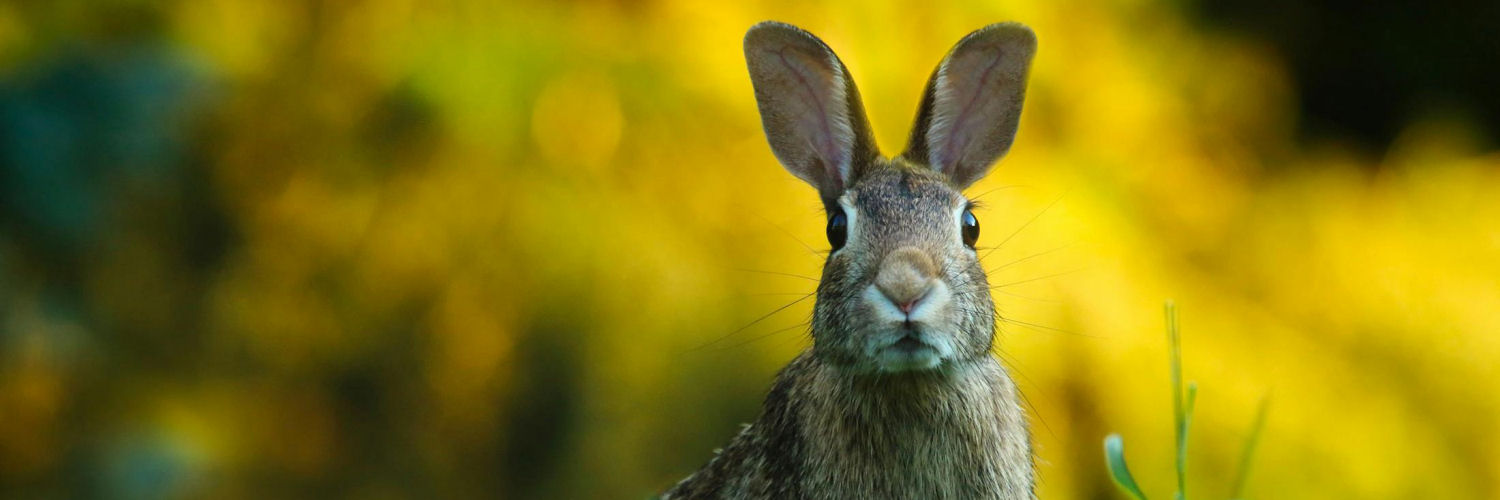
x=1014 y=364
x=1025 y=297
x=788 y=233
x=753 y=323
x=1023 y=259
x=767 y=335
x=777 y=273
x=1023 y=226
x=1001 y=188
x=807 y=335
x=1002 y=285
x=1042 y=327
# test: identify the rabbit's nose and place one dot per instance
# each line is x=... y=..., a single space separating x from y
x=905 y=277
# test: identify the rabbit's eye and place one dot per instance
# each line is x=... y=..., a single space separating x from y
x=838 y=229
x=970 y=229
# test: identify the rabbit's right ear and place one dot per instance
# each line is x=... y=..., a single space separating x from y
x=809 y=107
x=972 y=105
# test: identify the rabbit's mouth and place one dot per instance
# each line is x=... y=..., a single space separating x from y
x=909 y=344
x=909 y=349
x=912 y=339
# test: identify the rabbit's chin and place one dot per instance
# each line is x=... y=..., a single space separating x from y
x=904 y=348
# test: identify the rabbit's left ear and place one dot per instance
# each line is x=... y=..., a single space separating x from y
x=809 y=106
x=972 y=104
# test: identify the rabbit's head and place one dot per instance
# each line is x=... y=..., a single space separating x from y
x=902 y=288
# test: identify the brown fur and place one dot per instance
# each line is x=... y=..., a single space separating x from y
x=955 y=433
x=900 y=396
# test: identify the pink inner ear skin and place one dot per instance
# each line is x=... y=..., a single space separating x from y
x=823 y=142
x=960 y=132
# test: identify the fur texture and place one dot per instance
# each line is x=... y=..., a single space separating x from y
x=952 y=433
x=900 y=396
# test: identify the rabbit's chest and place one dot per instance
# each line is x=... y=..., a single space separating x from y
x=953 y=456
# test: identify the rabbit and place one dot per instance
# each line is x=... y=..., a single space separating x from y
x=899 y=395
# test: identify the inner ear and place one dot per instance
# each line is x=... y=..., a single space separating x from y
x=971 y=107
x=809 y=107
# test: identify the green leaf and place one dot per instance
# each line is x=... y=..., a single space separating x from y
x=1114 y=458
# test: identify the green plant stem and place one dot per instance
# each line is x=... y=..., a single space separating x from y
x=1251 y=443
x=1179 y=410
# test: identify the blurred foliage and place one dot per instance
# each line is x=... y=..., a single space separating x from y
x=418 y=249
x=1413 y=58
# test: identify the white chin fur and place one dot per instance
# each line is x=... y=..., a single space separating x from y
x=895 y=359
x=936 y=345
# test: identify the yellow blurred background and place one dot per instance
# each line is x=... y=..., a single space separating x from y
x=463 y=249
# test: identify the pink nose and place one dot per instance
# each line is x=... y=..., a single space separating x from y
x=905 y=277
x=907 y=306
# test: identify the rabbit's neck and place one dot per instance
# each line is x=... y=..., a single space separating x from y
x=959 y=433
x=823 y=433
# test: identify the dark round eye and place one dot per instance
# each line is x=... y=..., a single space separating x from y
x=838 y=229
x=970 y=228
